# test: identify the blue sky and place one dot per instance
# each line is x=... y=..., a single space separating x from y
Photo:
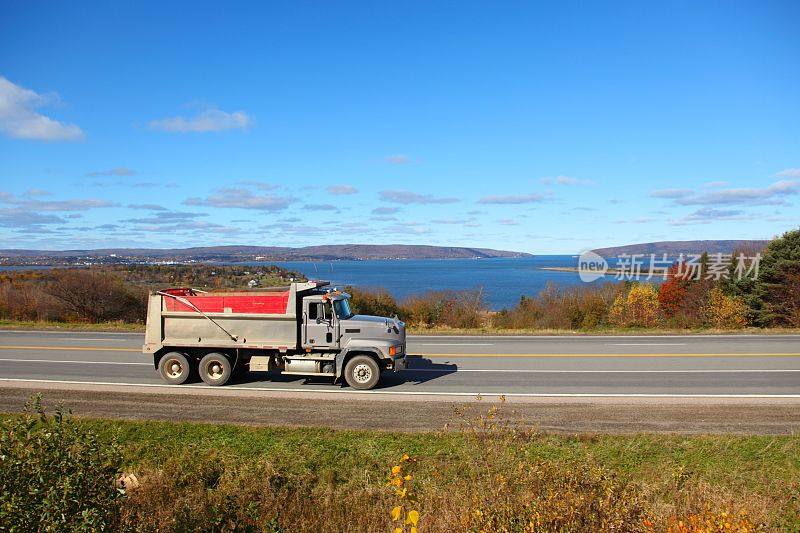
x=546 y=128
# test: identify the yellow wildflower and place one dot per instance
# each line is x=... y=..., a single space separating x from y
x=412 y=518
x=396 y=470
x=396 y=512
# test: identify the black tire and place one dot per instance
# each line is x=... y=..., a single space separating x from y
x=174 y=368
x=362 y=372
x=215 y=369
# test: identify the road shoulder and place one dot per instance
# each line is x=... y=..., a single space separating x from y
x=387 y=413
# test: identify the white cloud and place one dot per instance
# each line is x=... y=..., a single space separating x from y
x=118 y=171
x=36 y=192
x=15 y=217
x=385 y=210
x=242 y=199
x=773 y=194
x=789 y=173
x=20 y=120
x=513 y=199
x=671 y=193
x=261 y=185
x=408 y=197
x=397 y=159
x=211 y=119
x=55 y=205
x=707 y=215
x=339 y=190
x=565 y=180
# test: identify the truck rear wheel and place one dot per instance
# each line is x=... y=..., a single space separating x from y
x=174 y=368
x=215 y=369
x=362 y=372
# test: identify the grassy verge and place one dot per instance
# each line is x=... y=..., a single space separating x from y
x=70 y=326
x=444 y=331
x=484 y=475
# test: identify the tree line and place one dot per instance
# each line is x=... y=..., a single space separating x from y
x=117 y=293
x=772 y=299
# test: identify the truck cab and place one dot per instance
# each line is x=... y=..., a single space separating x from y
x=329 y=324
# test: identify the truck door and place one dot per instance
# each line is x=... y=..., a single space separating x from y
x=318 y=324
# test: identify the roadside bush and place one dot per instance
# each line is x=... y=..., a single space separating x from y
x=583 y=307
x=377 y=302
x=638 y=308
x=723 y=311
x=96 y=296
x=54 y=476
x=455 y=309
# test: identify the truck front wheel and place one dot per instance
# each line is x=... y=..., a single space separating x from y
x=215 y=369
x=174 y=368
x=362 y=372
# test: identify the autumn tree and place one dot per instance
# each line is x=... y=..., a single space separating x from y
x=96 y=296
x=672 y=293
x=639 y=308
x=724 y=312
x=775 y=290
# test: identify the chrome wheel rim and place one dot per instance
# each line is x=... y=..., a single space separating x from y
x=215 y=370
x=362 y=373
x=174 y=368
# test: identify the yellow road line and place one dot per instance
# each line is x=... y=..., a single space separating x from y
x=607 y=355
x=73 y=348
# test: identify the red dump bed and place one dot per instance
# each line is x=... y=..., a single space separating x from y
x=231 y=302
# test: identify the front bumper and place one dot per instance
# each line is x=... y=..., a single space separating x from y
x=397 y=364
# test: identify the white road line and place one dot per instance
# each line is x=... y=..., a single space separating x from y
x=71 y=362
x=529 y=371
x=229 y=389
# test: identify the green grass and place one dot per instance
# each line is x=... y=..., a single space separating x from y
x=670 y=475
x=70 y=326
x=752 y=462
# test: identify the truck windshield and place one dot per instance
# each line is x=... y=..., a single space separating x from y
x=342 y=308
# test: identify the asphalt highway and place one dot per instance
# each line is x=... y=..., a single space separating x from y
x=724 y=366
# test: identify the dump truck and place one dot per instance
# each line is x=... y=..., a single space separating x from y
x=305 y=329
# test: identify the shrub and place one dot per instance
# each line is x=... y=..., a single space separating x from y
x=584 y=307
x=377 y=302
x=639 y=308
x=455 y=309
x=54 y=476
x=723 y=311
x=96 y=296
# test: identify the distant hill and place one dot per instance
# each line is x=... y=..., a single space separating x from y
x=252 y=253
x=674 y=248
